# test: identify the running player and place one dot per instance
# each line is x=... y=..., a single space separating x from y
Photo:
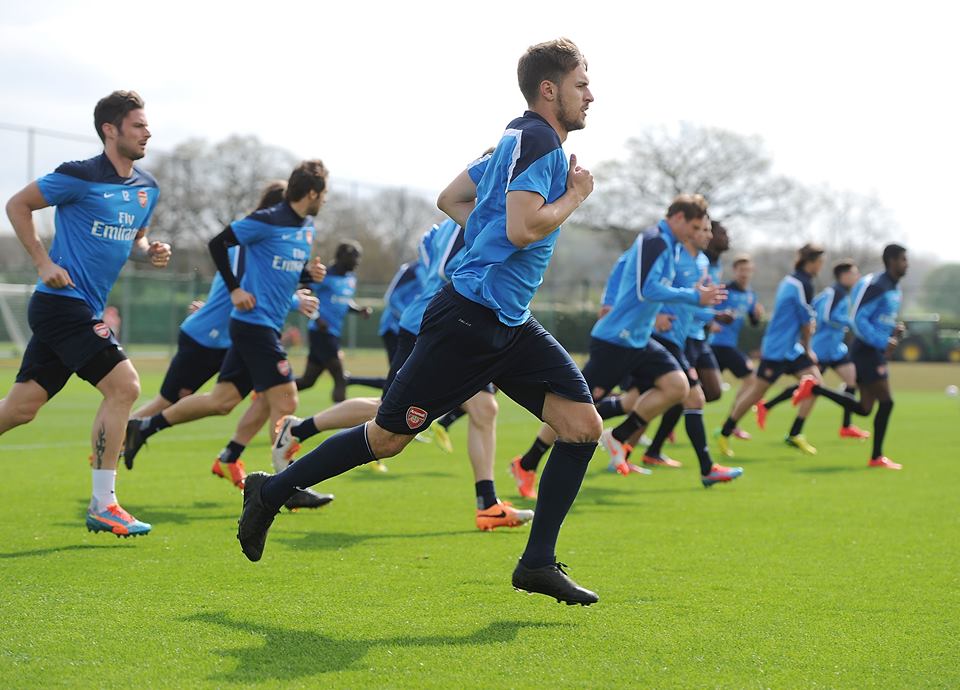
x=785 y=349
x=479 y=329
x=104 y=206
x=336 y=299
x=875 y=301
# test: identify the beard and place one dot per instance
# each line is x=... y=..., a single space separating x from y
x=571 y=121
x=130 y=153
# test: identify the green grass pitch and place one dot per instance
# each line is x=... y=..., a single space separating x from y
x=807 y=572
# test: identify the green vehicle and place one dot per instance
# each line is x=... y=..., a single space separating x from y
x=926 y=340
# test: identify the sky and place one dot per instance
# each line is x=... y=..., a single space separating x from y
x=855 y=95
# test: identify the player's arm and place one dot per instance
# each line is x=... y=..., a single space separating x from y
x=867 y=320
x=655 y=287
x=459 y=198
x=808 y=318
x=304 y=302
x=357 y=309
x=530 y=218
x=146 y=252
x=218 y=247
x=20 y=210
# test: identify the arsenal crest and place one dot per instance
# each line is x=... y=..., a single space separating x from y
x=416 y=417
x=283 y=366
x=102 y=329
x=142 y=197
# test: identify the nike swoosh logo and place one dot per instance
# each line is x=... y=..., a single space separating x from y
x=502 y=514
x=107 y=196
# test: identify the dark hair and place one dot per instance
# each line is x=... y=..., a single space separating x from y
x=308 y=176
x=891 y=252
x=690 y=205
x=113 y=108
x=548 y=61
x=346 y=248
x=842 y=267
x=808 y=252
x=272 y=194
x=741 y=259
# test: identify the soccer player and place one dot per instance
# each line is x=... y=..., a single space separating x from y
x=785 y=349
x=875 y=303
x=276 y=245
x=741 y=304
x=336 y=299
x=402 y=289
x=479 y=328
x=832 y=307
x=103 y=212
x=621 y=344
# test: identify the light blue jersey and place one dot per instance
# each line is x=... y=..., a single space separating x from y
x=743 y=303
x=832 y=307
x=495 y=272
x=646 y=283
x=444 y=245
x=690 y=270
x=98 y=217
x=401 y=290
x=336 y=295
x=613 y=282
x=791 y=312
x=704 y=315
x=277 y=243
x=875 y=303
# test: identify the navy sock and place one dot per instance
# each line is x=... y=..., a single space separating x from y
x=667 y=424
x=531 y=459
x=610 y=407
x=693 y=419
x=232 y=452
x=148 y=427
x=339 y=453
x=558 y=489
x=450 y=417
x=848 y=402
x=797 y=427
x=880 y=426
x=728 y=426
x=783 y=396
x=631 y=425
x=305 y=429
x=847 y=414
x=486 y=494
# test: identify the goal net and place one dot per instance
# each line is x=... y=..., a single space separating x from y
x=14 y=328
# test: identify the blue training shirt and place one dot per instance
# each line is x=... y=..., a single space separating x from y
x=832 y=307
x=495 y=272
x=743 y=303
x=277 y=243
x=98 y=217
x=444 y=244
x=401 y=290
x=336 y=295
x=875 y=301
x=704 y=315
x=791 y=311
x=690 y=269
x=645 y=284
x=609 y=295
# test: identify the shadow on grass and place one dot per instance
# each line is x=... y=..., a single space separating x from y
x=60 y=549
x=167 y=514
x=367 y=475
x=332 y=541
x=287 y=654
x=828 y=469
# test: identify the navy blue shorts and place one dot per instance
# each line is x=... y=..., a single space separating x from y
x=772 y=369
x=191 y=367
x=390 y=344
x=256 y=360
x=700 y=355
x=323 y=347
x=659 y=358
x=610 y=364
x=67 y=338
x=871 y=363
x=834 y=363
x=730 y=358
x=405 y=342
x=462 y=347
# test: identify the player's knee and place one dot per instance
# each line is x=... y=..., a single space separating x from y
x=675 y=386
x=287 y=405
x=485 y=410
x=224 y=403
x=387 y=444
x=125 y=391
x=711 y=391
x=22 y=413
x=695 y=399
x=586 y=427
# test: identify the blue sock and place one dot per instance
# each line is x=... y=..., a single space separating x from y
x=559 y=484
x=336 y=455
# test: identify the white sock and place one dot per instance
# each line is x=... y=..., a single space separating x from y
x=104 y=493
